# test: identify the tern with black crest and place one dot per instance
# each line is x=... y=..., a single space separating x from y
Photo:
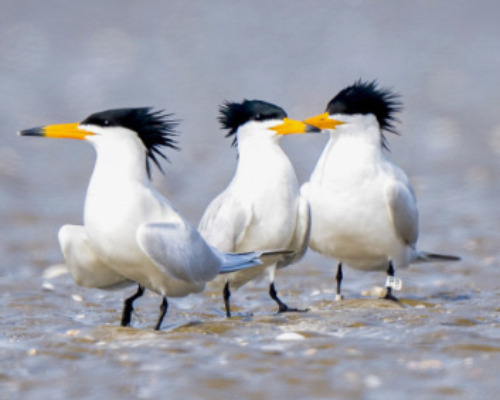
x=131 y=233
x=262 y=206
x=364 y=210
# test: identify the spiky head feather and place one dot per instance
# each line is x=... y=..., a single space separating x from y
x=365 y=97
x=233 y=115
x=156 y=129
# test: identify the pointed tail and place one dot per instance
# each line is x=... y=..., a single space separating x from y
x=232 y=262
x=424 y=256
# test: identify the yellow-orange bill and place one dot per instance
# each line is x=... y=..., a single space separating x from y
x=60 y=131
x=323 y=121
x=290 y=126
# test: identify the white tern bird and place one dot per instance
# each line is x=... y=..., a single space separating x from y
x=262 y=206
x=131 y=233
x=364 y=211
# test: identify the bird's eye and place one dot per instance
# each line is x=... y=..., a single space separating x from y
x=105 y=122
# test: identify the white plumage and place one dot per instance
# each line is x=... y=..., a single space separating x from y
x=131 y=233
x=262 y=207
x=364 y=210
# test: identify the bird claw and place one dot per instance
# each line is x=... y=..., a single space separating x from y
x=390 y=296
x=285 y=308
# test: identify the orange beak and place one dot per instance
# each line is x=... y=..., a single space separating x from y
x=290 y=126
x=323 y=121
x=61 y=131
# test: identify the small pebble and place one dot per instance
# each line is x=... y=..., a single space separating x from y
x=54 y=271
x=77 y=297
x=290 y=336
x=48 y=286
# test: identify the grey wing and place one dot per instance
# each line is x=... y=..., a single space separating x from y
x=179 y=251
x=86 y=268
x=300 y=241
x=403 y=211
x=225 y=222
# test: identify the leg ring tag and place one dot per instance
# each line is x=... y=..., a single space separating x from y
x=394 y=283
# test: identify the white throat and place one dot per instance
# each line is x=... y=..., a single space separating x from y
x=119 y=176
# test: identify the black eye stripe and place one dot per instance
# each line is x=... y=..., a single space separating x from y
x=233 y=115
x=267 y=116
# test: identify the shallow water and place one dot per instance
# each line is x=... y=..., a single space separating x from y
x=59 y=63
x=65 y=342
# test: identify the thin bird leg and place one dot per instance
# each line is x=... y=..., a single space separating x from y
x=339 y=278
x=389 y=295
x=226 y=294
x=282 y=306
x=163 y=311
x=128 y=306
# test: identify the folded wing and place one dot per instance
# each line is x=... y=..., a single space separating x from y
x=300 y=241
x=178 y=250
x=225 y=222
x=403 y=211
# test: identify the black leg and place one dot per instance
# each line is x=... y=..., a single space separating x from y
x=339 y=278
x=226 y=294
x=163 y=311
x=128 y=306
x=389 y=295
x=282 y=306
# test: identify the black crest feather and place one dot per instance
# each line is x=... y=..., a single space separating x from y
x=156 y=129
x=233 y=115
x=368 y=98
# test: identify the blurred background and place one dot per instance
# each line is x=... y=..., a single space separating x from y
x=61 y=61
